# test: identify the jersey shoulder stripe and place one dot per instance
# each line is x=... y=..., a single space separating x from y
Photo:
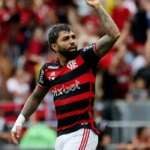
x=52 y=66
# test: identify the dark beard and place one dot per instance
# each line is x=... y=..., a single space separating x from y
x=69 y=54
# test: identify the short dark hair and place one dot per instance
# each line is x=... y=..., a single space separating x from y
x=54 y=31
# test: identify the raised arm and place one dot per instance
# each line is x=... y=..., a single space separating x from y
x=29 y=107
x=111 y=31
x=74 y=21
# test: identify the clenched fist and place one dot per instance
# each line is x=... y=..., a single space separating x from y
x=16 y=135
x=94 y=3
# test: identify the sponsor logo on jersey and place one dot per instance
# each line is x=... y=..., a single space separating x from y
x=66 y=89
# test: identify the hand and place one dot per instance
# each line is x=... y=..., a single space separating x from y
x=94 y=3
x=16 y=135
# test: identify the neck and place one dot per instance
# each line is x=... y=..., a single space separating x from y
x=62 y=60
x=64 y=57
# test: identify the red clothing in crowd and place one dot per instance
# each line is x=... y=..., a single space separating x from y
x=120 y=15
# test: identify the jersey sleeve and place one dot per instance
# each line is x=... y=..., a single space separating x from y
x=42 y=81
x=89 y=55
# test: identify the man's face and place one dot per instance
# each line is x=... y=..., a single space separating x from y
x=66 y=42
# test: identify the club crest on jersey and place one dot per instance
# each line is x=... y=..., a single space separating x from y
x=72 y=65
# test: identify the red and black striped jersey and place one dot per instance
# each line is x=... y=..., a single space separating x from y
x=73 y=89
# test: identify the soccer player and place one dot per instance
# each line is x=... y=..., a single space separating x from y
x=71 y=81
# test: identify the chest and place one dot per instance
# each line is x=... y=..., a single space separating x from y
x=75 y=77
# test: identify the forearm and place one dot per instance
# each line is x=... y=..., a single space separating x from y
x=108 y=25
x=74 y=21
x=29 y=107
x=33 y=102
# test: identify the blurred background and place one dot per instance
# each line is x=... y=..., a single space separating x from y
x=122 y=102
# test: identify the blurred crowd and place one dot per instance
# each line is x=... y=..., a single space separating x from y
x=123 y=73
x=141 y=140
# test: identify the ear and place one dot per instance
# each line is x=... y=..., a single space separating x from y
x=54 y=47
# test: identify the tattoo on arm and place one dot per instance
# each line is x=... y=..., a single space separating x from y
x=108 y=24
x=104 y=44
x=111 y=32
x=33 y=101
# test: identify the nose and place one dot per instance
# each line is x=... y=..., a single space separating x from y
x=72 y=41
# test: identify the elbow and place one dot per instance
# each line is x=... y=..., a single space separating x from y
x=116 y=36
